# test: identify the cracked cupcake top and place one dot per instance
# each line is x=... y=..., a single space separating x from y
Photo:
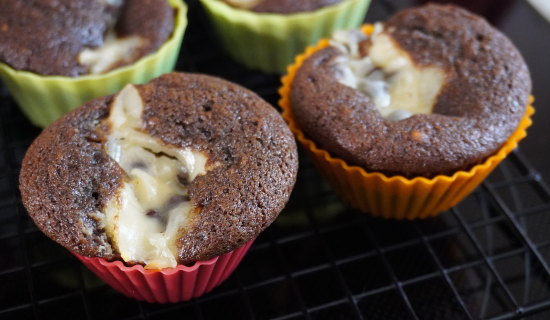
x=185 y=168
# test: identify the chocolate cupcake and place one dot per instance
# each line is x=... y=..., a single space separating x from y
x=267 y=34
x=183 y=169
x=72 y=38
x=432 y=92
x=94 y=46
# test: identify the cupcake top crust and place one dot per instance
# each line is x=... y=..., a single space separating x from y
x=282 y=6
x=433 y=90
x=182 y=169
x=77 y=37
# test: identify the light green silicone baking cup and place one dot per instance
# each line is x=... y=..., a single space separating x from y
x=44 y=99
x=269 y=42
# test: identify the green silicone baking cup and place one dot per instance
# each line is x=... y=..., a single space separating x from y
x=44 y=99
x=269 y=42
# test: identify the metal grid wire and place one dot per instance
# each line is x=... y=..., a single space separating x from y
x=487 y=258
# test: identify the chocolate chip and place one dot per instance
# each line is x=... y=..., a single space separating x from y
x=177 y=199
x=174 y=201
x=160 y=216
x=138 y=165
x=183 y=177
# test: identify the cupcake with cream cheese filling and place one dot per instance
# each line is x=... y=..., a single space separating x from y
x=73 y=38
x=183 y=169
x=431 y=91
x=405 y=118
x=58 y=55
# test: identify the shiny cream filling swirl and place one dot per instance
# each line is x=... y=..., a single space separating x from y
x=145 y=216
x=388 y=74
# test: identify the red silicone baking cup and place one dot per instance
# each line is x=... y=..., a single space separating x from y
x=167 y=285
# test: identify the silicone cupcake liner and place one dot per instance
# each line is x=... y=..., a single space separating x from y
x=269 y=42
x=393 y=197
x=168 y=285
x=44 y=99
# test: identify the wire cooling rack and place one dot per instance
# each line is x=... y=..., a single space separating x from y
x=487 y=258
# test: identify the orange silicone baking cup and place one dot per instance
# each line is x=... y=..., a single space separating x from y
x=393 y=197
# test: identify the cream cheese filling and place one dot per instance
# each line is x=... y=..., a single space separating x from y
x=143 y=220
x=388 y=75
x=114 y=50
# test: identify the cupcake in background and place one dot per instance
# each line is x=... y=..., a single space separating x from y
x=405 y=118
x=266 y=35
x=57 y=55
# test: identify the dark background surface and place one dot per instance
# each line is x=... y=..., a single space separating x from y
x=487 y=258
